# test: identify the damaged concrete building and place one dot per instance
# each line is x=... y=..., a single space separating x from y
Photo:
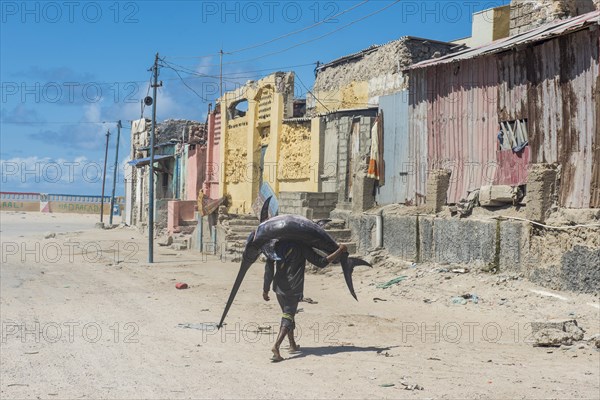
x=518 y=113
x=180 y=162
x=357 y=80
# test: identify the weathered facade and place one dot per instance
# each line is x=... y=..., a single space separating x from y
x=180 y=162
x=255 y=150
x=357 y=80
x=543 y=83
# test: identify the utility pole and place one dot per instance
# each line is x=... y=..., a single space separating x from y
x=155 y=85
x=104 y=177
x=112 y=199
x=221 y=74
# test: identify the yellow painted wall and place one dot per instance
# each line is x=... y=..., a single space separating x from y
x=77 y=208
x=18 y=205
x=243 y=138
x=353 y=95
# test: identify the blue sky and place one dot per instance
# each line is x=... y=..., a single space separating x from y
x=67 y=67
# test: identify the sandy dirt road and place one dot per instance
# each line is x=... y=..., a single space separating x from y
x=84 y=316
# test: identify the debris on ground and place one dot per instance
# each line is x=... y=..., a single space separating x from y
x=595 y=340
x=464 y=299
x=166 y=242
x=460 y=270
x=391 y=282
x=181 y=285
x=377 y=299
x=555 y=333
x=411 y=386
x=49 y=235
x=459 y=300
x=309 y=300
x=201 y=326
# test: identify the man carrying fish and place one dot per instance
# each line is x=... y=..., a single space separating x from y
x=287 y=276
x=288 y=241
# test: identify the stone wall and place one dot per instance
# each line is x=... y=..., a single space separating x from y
x=529 y=14
x=309 y=205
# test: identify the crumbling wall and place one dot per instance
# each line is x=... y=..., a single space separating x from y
x=236 y=150
x=176 y=129
x=294 y=160
x=564 y=259
x=541 y=190
x=529 y=14
x=438 y=182
x=358 y=80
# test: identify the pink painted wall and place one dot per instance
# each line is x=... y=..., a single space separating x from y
x=196 y=172
x=179 y=211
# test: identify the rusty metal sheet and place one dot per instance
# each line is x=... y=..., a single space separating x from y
x=554 y=85
x=418 y=129
x=511 y=168
x=455 y=109
x=462 y=122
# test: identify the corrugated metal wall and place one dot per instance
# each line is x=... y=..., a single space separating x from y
x=554 y=85
x=455 y=109
x=399 y=173
x=418 y=131
x=459 y=129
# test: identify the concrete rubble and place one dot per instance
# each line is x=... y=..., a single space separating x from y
x=555 y=333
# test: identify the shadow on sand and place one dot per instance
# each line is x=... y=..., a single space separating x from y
x=332 y=350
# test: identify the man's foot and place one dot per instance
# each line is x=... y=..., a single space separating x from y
x=294 y=348
x=276 y=355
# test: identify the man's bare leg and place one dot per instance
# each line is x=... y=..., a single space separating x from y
x=293 y=345
x=283 y=332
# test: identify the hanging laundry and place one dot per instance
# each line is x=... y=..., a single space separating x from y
x=376 y=164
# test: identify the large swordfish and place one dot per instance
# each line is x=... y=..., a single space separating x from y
x=292 y=228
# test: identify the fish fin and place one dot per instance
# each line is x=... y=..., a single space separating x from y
x=348 y=264
x=269 y=251
x=323 y=222
x=264 y=212
x=355 y=262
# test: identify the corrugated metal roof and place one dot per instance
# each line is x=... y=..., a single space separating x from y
x=324 y=114
x=543 y=32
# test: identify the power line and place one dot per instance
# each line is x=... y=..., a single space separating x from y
x=313 y=95
x=310 y=40
x=58 y=123
x=299 y=30
x=186 y=85
x=279 y=37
